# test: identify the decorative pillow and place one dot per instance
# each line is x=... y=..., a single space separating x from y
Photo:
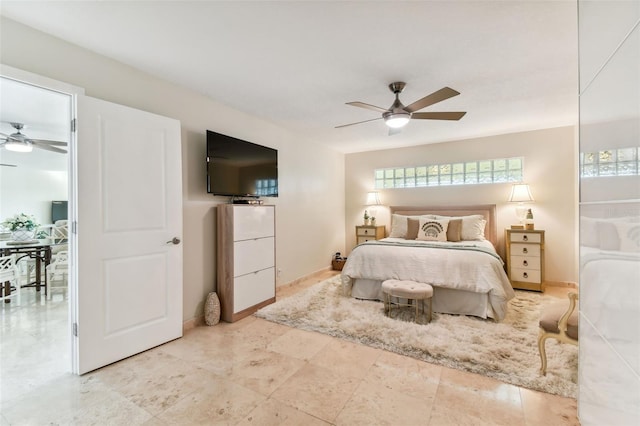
x=432 y=229
x=399 y=225
x=413 y=225
x=629 y=235
x=589 y=232
x=472 y=226
x=608 y=236
x=454 y=230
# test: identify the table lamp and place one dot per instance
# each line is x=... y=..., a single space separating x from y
x=520 y=194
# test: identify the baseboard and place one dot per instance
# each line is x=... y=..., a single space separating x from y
x=563 y=284
x=310 y=276
x=199 y=320
x=193 y=323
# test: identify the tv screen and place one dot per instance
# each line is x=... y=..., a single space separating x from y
x=239 y=168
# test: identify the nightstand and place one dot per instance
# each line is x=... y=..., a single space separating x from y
x=525 y=258
x=367 y=233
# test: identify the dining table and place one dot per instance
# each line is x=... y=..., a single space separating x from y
x=39 y=250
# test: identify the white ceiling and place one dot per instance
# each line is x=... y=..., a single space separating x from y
x=45 y=114
x=296 y=63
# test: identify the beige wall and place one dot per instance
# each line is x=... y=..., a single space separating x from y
x=549 y=168
x=311 y=192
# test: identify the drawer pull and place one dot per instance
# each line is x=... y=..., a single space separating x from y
x=525 y=263
x=525 y=250
x=525 y=275
x=366 y=231
x=525 y=238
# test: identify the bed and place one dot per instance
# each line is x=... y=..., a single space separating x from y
x=610 y=269
x=467 y=274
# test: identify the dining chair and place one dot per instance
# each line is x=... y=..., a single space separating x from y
x=9 y=273
x=58 y=272
x=60 y=235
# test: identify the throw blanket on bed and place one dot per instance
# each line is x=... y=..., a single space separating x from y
x=470 y=266
x=447 y=246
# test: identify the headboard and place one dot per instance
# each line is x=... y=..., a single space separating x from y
x=486 y=210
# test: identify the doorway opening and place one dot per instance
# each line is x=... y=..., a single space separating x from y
x=35 y=182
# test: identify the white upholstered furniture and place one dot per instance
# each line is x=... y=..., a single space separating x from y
x=415 y=294
x=246 y=259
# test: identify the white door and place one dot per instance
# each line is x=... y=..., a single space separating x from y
x=129 y=191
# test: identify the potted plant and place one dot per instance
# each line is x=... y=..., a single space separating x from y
x=367 y=218
x=22 y=226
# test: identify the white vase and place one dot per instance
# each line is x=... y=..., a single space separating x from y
x=23 y=235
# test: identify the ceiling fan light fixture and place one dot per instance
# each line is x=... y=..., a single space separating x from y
x=18 y=146
x=396 y=120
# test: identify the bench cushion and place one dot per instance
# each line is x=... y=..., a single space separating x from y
x=407 y=289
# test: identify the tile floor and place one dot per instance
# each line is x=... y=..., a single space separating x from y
x=252 y=372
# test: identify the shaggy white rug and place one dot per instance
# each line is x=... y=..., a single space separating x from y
x=507 y=351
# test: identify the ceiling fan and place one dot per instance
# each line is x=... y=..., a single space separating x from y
x=20 y=142
x=398 y=115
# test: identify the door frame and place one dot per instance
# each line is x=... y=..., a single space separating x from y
x=72 y=91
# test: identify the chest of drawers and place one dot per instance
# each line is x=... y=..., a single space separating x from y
x=525 y=258
x=367 y=233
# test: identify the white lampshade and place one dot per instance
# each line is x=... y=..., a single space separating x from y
x=520 y=193
x=373 y=199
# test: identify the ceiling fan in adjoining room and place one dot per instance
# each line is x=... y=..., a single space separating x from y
x=398 y=115
x=19 y=142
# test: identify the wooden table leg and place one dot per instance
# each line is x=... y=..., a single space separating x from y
x=6 y=290
x=38 y=270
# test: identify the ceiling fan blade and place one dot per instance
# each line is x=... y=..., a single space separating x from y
x=7 y=137
x=438 y=115
x=47 y=142
x=50 y=148
x=8 y=165
x=359 y=122
x=435 y=97
x=367 y=106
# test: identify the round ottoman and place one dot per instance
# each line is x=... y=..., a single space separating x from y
x=415 y=293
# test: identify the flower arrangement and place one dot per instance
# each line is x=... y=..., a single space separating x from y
x=21 y=221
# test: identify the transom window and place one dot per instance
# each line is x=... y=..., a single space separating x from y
x=469 y=173
x=266 y=187
x=610 y=162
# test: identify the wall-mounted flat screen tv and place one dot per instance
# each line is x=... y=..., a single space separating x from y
x=239 y=168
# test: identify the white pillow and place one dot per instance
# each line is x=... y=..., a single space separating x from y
x=432 y=229
x=589 y=232
x=629 y=234
x=472 y=226
x=399 y=225
x=473 y=229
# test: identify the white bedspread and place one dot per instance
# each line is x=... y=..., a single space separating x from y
x=468 y=265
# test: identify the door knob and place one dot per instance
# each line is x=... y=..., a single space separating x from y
x=174 y=240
